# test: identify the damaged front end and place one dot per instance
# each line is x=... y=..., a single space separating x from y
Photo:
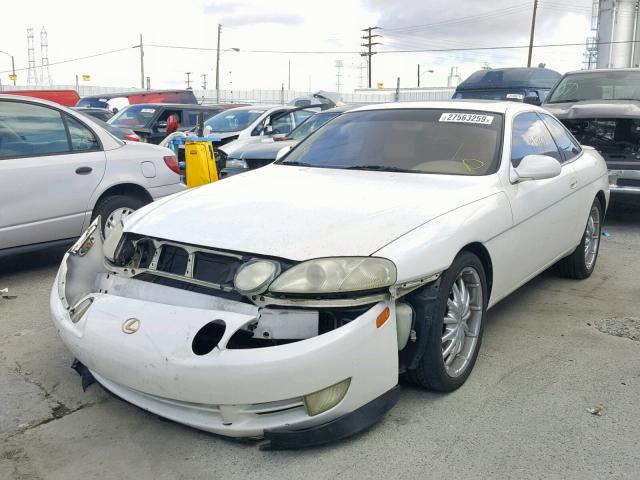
x=618 y=141
x=234 y=343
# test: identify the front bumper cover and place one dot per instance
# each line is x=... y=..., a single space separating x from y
x=254 y=392
x=624 y=182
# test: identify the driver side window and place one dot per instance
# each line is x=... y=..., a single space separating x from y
x=531 y=137
x=282 y=124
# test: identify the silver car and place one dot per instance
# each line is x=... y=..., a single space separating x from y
x=59 y=170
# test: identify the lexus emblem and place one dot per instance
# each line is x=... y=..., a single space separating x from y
x=131 y=325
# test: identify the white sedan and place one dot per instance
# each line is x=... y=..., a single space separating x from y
x=284 y=303
x=59 y=170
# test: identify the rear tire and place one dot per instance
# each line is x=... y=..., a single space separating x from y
x=455 y=322
x=112 y=209
x=581 y=263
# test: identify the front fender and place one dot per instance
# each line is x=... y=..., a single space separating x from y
x=431 y=248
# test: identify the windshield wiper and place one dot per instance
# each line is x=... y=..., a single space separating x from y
x=380 y=168
x=298 y=164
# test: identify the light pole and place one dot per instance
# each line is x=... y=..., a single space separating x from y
x=218 y=53
x=13 y=67
x=421 y=74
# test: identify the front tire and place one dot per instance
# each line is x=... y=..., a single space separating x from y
x=581 y=263
x=113 y=209
x=455 y=326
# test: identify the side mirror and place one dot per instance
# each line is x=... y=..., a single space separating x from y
x=532 y=100
x=268 y=130
x=536 y=167
x=282 y=152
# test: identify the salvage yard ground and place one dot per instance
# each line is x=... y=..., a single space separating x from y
x=554 y=395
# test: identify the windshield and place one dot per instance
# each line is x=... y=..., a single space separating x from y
x=610 y=85
x=453 y=142
x=310 y=125
x=232 y=120
x=134 y=116
x=92 y=102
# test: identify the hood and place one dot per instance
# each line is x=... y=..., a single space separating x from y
x=263 y=151
x=595 y=109
x=299 y=213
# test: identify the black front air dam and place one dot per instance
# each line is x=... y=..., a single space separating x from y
x=338 y=429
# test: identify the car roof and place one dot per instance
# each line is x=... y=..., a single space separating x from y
x=342 y=109
x=518 y=77
x=601 y=70
x=176 y=105
x=479 y=105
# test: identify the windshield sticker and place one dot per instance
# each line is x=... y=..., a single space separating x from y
x=147 y=110
x=467 y=118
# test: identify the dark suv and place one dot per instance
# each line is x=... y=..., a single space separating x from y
x=149 y=120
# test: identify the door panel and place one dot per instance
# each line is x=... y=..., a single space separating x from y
x=43 y=197
x=543 y=210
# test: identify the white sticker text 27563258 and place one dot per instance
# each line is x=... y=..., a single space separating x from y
x=467 y=118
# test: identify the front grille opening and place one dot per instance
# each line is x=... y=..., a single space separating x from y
x=145 y=250
x=173 y=260
x=215 y=268
x=628 y=182
x=208 y=337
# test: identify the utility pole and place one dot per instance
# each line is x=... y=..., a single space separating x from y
x=204 y=81
x=218 y=65
x=141 y=64
x=369 y=37
x=188 y=82
x=533 y=28
x=418 y=75
x=289 y=81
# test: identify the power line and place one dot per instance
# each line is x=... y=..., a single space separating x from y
x=78 y=58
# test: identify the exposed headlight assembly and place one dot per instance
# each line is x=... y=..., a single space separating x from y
x=255 y=276
x=336 y=275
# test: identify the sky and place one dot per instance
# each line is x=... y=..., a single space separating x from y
x=260 y=28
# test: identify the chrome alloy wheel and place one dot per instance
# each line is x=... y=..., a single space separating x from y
x=462 y=322
x=592 y=237
x=116 y=217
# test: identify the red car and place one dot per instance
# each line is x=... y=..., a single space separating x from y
x=68 y=98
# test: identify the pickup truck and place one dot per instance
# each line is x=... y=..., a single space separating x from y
x=602 y=109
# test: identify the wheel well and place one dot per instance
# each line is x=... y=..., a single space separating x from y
x=482 y=253
x=129 y=189
x=603 y=200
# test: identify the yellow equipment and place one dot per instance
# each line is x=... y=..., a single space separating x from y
x=200 y=163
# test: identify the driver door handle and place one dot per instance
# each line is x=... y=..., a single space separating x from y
x=84 y=170
x=574 y=183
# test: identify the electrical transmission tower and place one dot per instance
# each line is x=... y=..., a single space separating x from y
x=369 y=37
x=32 y=74
x=45 y=74
x=338 y=64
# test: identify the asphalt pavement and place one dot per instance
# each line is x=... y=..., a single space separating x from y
x=555 y=394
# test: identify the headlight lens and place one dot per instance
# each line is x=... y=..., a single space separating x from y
x=255 y=276
x=336 y=275
x=236 y=163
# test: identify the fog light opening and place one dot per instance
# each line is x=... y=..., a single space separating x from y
x=208 y=337
x=327 y=398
